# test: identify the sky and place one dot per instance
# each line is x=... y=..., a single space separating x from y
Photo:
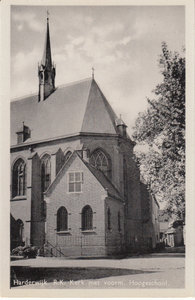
x=122 y=43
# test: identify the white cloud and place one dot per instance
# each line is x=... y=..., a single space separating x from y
x=97 y=47
x=107 y=29
x=22 y=61
x=89 y=20
x=79 y=21
x=28 y=19
x=20 y=27
x=22 y=64
x=76 y=41
x=125 y=40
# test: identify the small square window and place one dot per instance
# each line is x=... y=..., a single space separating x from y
x=75 y=182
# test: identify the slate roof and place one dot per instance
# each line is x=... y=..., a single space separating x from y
x=71 y=109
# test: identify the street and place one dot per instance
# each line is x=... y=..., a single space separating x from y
x=157 y=270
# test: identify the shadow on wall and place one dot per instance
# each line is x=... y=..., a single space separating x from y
x=67 y=274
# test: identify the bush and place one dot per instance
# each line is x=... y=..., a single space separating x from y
x=27 y=251
x=30 y=252
x=18 y=251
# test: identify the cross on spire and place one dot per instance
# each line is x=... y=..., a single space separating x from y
x=93 y=72
x=47 y=15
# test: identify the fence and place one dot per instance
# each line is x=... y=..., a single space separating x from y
x=84 y=245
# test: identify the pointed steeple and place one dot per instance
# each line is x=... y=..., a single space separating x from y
x=46 y=60
x=46 y=71
x=121 y=126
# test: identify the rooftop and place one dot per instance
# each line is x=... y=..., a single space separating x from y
x=73 y=108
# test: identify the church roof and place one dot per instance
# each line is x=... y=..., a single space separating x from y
x=69 y=110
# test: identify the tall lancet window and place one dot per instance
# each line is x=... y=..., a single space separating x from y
x=45 y=172
x=87 y=218
x=101 y=161
x=119 y=221
x=19 y=178
x=62 y=219
x=109 y=219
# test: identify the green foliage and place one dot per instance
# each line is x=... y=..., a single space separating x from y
x=162 y=129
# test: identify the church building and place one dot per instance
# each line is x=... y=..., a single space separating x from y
x=75 y=185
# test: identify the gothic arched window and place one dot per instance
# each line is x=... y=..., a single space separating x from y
x=101 y=161
x=19 y=178
x=87 y=218
x=45 y=172
x=67 y=155
x=109 y=219
x=62 y=219
x=119 y=221
x=125 y=178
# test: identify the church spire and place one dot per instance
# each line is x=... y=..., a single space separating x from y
x=46 y=71
x=46 y=60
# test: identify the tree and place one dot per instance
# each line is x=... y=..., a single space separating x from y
x=160 y=130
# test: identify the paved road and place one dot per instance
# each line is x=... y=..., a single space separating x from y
x=147 y=271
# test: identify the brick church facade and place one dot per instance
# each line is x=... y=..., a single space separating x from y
x=75 y=185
